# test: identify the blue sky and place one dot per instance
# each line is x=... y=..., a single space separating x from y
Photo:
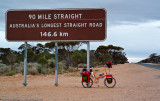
x=131 y=24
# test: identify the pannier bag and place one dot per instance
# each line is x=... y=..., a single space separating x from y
x=85 y=76
x=109 y=79
x=84 y=69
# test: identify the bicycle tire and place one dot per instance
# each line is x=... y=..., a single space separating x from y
x=87 y=84
x=111 y=85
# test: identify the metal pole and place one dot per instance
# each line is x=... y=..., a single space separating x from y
x=25 y=65
x=88 y=56
x=56 y=64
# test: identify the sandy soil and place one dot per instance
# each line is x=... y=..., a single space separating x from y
x=134 y=83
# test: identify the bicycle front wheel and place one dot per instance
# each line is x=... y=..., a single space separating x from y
x=110 y=84
x=87 y=84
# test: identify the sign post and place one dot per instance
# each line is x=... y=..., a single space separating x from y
x=88 y=56
x=56 y=64
x=25 y=65
x=56 y=25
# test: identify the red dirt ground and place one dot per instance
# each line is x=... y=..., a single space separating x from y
x=134 y=83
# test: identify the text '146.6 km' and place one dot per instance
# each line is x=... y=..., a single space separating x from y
x=53 y=34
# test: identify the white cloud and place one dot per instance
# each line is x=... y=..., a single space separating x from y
x=135 y=59
x=136 y=37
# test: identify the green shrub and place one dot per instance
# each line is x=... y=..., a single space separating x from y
x=60 y=68
x=33 y=72
x=10 y=73
x=41 y=70
x=16 y=65
x=52 y=65
x=49 y=56
x=2 y=65
x=42 y=61
x=71 y=69
x=50 y=70
x=36 y=57
x=29 y=66
x=96 y=70
x=82 y=65
x=4 y=69
x=19 y=69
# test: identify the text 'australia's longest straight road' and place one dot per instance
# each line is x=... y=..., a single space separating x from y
x=56 y=25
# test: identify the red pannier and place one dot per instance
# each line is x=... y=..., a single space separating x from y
x=109 y=78
x=85 y=76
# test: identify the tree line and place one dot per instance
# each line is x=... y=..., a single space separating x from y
x=153 y=58
x=68 y=53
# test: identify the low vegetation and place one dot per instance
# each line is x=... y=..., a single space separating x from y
x=40 y=58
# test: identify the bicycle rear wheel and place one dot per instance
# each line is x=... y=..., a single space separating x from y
x=110 y=85
x=87 y=84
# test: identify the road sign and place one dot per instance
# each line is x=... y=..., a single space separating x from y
x=56 y=25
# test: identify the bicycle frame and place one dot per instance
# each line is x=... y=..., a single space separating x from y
x=96 y=79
